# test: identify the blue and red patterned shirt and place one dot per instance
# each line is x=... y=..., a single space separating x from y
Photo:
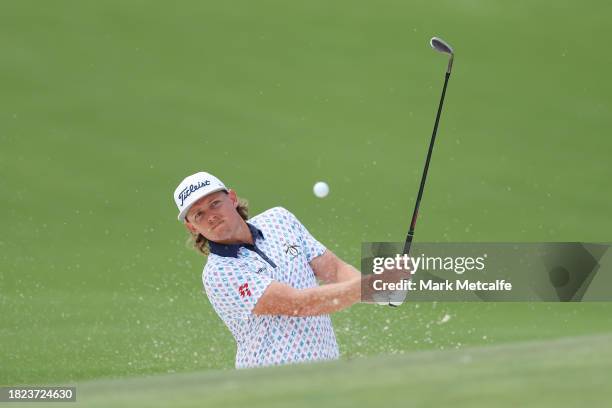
x=236 y=276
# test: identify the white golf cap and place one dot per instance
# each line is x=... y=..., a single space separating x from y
x=194 y=187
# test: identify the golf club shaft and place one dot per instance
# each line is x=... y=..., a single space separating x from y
x=415 y=213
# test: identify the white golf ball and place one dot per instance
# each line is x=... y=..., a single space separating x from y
x=321 y=189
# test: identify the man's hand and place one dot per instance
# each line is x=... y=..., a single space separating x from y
x=385 y=286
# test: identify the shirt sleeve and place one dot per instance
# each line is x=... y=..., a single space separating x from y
x=234 y=290
x=312 y=247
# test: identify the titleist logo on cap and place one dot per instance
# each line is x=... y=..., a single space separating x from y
x=186 y=192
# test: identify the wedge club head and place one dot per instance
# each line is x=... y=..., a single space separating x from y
x=442 y=46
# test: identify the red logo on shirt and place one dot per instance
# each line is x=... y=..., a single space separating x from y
x=244 y=290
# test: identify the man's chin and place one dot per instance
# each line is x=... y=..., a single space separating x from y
x=218 y=235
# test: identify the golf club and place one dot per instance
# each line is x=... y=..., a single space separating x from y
x=441 y=46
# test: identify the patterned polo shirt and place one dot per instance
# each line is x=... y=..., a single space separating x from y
x=236 y=276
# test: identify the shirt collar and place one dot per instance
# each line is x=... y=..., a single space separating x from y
x=231 y=250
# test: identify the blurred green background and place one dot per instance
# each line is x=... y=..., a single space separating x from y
x=106 y=106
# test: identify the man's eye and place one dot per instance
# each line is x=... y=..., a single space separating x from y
x=215 y=204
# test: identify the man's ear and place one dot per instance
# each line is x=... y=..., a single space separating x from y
x=232 y=195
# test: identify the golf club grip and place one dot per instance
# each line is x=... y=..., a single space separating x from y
x=410 y=235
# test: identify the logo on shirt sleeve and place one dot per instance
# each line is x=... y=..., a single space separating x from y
x=244 y=290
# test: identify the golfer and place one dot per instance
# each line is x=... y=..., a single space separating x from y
x=261 y=276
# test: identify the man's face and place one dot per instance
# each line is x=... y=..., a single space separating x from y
x=215 y=217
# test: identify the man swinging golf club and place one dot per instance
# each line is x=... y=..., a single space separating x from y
x=261 y=276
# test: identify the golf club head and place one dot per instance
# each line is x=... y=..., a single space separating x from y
x=442 y=46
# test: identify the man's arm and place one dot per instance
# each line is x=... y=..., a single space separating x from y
x=331 y=269
x=282 y=299
x=343 y=290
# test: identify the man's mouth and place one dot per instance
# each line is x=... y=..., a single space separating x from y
x=214 y=227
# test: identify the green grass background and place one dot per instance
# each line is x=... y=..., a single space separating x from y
x=106 y=106
x=534 y=374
